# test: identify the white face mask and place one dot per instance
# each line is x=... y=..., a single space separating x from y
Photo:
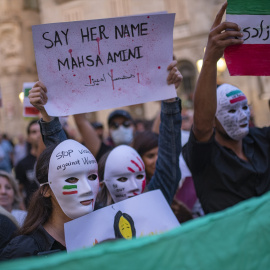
x=233 y=111
x=124 y=173
x=122 y=135
x=73 y=178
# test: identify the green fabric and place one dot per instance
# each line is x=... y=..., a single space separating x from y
x=249 y=7
x=236 y=238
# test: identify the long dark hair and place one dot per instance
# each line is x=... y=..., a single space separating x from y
x=40 y=207
x=144 y=142
x=104 y=197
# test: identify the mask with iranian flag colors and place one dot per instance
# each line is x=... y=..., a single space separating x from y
x=124 y=173
x=232 y=111
x=73 y=178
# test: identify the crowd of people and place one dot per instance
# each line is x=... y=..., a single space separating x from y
x=223 y=160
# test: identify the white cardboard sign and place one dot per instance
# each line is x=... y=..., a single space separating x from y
x=100 y=64
x=142 y=215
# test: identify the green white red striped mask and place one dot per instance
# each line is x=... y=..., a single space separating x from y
x=73 y=178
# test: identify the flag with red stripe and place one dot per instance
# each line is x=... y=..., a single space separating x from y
x=253 y=56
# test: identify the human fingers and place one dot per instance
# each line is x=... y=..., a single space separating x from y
x=40 y=84
x=172 y=64
x=171 y=73
x=219 y=15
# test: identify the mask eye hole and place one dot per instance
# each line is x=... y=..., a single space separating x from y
x=140 y=176
x=92 y=177
x=122 y=179
x=72 y=180
x=245 y=107
x=232 y=111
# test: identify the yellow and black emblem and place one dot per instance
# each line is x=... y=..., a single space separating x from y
x=124 y=226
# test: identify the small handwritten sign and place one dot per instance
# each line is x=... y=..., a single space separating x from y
x=28 y=109
x=101 y=64
x=142 y=215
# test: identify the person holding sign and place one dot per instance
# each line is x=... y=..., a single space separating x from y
x=229 y=161
x=69 y=184
x=167 y=174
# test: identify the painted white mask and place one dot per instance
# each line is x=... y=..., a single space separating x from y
x=233 y=111
x=73 y=178
x=124 y=173
x=122 y=135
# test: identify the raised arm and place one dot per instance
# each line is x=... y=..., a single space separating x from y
x=167 y=173
x=221 y=36
x=89 y=135
x=174 y=77
x=50 y=127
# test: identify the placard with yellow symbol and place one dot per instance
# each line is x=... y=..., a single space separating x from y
x=142 y=215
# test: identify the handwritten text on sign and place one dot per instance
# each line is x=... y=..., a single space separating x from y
x=101 y=64
x=255 y=28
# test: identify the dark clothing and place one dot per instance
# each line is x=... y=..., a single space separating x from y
x=104 y=148
x=7 y=229
x=25 y=173
x=221 y=178
x=36 y=243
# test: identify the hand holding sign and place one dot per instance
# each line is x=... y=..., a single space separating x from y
x=221 y=36
x=38 y=98
x=38 y=94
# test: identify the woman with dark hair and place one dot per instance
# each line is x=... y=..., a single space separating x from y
x=146 y=144
x=68 y=190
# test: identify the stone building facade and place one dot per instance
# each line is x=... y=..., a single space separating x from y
x=192 y=23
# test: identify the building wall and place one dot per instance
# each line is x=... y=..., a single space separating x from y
x=17 y=62
x=193 y=21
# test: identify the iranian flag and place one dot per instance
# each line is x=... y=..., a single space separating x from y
x=253 y=56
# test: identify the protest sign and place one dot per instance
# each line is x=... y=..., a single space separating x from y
x=145 y=214
x=94 y=65
x=253 y=56
x=28 y=109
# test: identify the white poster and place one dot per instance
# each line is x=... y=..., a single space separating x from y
x=100 y=64
x=142 y=215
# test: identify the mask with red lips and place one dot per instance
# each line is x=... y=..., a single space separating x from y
x=124 y=173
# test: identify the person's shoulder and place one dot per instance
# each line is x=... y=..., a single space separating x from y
x=20 y=246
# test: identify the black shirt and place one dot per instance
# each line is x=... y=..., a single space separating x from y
x=104 y=148
x=7 y=229
x=221 y=178
x=25 y=173
x=37 y=243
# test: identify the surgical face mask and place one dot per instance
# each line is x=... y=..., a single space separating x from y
x=124 y=173
x=232 y=111
x=73 y=178
x=122 y=135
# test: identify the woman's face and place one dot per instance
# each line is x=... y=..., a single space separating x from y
x=150 y=159
x=6 y=194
